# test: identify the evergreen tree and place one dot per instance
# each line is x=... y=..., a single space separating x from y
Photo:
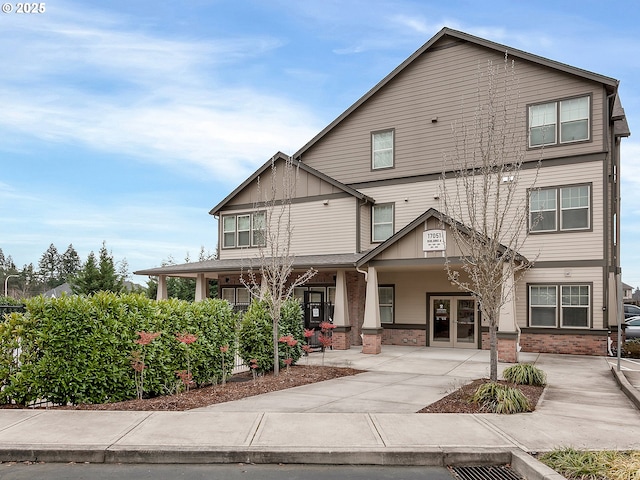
x=87 y=280
x=111 y=280
x=49 y=267
x=97 y=275
x=70 y=263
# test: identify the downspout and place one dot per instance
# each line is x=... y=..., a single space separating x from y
x=608 y=210
x=362 y=272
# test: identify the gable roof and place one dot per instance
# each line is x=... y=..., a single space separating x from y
x=612 y=83
x=297 y=164
x=431 y=213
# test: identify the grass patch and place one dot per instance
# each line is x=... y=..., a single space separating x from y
x=598 y=465
x=500 y=398
x=525 y=374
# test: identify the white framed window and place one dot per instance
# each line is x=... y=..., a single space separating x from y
x=575 y=312
x=570 y=309
x=560 y=209
x=245 y=230
x=382 y=149
x=242 y=295
x=229 y=294
x=229 y=231
x=258 y=229
x=543 y=305
x=574 y=120
x=542 y=210
x=542 y=124
x=574 y=124
x=381 y=222
x=386 y=294
x=574 y=208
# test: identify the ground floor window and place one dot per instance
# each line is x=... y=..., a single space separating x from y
x=566 y=306
x=236 y=295
x=386 y=296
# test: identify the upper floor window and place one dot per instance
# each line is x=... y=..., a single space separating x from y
x=246 y=230
x=571 y=309
x=382 y=222
x=574 y=124
x=382 y=146
x=560 y=209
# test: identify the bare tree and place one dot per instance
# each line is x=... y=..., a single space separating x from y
x=271 y=279
x=483 y=199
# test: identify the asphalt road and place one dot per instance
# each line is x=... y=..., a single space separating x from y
x=74 y=471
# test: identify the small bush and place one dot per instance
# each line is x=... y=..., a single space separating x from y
x=256 y=334
x=631 y=348
x=499 y=398
x=524 y=374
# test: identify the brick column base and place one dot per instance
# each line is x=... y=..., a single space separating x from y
x=341 y=338
x=371 y=340
x=508 y=347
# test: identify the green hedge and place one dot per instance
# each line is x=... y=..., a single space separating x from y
x=78 y=349
x=256 y=334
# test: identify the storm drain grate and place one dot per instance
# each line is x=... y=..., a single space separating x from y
x=483 y=472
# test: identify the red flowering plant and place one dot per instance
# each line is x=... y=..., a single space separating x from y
x=254 y=368
x=289 y=342
x=325 y=337
x=185 y=377
x=187 y=339
x=137 y=359
x=307 y=348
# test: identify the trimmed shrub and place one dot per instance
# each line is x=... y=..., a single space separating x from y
x=256 y=334
x=498 y=398
x=631 y=348
x=524 y=374
x=78 y=349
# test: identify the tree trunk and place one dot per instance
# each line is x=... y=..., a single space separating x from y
x=276 y=359
x=493 y=345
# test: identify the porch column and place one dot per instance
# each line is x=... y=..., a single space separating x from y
x=161 y=294
x=508 y=330
x=371 y=329
x=201 y=288
x=342 y=333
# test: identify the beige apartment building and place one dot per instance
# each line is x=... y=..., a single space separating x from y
x=367 y=211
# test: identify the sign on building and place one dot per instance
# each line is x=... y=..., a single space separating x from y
x=434 y=240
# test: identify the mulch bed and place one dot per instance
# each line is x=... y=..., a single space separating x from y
x=245 y=385
x=460 y=400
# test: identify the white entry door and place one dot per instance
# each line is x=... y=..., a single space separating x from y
x=454 y=322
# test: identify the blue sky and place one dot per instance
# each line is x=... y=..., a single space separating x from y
x=126 y=122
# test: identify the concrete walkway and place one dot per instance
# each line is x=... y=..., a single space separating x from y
x=367 y=418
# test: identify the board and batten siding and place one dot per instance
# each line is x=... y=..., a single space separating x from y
x=554 y=276
x=306 y=185
x=440 y=84
x=411 y=287
x=317 y=229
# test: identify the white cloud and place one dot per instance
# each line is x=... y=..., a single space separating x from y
x=95 y=83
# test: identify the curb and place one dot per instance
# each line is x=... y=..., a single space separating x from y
x=521 y=462
x=626 y=387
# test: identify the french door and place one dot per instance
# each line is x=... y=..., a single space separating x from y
x=453 y=322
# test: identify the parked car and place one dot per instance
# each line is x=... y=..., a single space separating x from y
x=631 y=310
x=632 y=329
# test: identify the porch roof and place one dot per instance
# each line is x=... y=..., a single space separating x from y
x=341 y=260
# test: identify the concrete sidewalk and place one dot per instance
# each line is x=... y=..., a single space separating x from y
x=368 y=419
